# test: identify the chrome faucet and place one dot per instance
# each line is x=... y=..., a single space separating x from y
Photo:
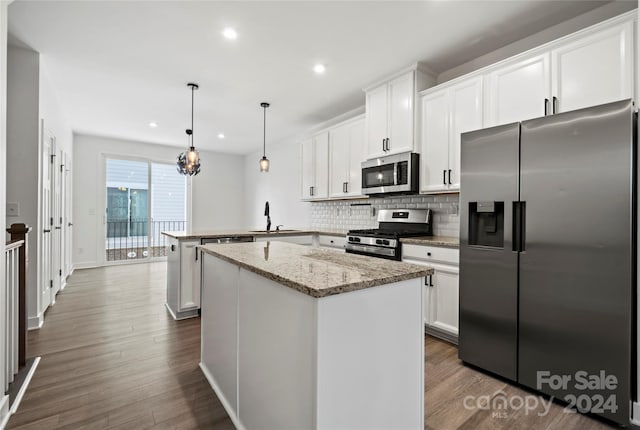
x=278 y=227
x=266 y=213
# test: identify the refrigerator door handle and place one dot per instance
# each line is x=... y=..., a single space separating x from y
x=519 y=220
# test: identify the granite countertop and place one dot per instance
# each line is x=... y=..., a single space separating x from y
x=312 y=271
x=183 y=235
x=450 y=241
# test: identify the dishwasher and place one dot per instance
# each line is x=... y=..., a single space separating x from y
x=229 y=239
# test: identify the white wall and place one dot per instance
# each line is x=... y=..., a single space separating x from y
x=4 y=400
x=216 y=191
x=572 y=25
x=30 y=98
x=22 y=155
x=280 y=187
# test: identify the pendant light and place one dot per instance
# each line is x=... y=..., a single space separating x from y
x=264 y=161
x=189 y=161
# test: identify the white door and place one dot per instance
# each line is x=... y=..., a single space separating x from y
x=465 y=115
x=307 y=170
x=377 y=125
x=46 y=221
x=443 y=300
x=357 y=154
x=338 y=160
x=595 y=69
x=401 y=118
x=66 y=217
x=321 y=165
x=56 y=229
x=518 y=91
x=434 y=147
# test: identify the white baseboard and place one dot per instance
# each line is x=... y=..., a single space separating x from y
x=4 y=411
x=635 y=414
x=225 y=404
x=86 y=265
x=23 y=389
x=182 y=315
x=35 y=323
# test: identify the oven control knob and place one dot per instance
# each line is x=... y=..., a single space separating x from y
x=385 y=242
x=378 y=242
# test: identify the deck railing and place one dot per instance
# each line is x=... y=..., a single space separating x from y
x=14 y=302
x=130 y=239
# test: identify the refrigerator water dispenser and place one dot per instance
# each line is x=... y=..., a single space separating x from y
x=486 y=224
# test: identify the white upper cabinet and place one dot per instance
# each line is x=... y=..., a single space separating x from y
x=588 y=68
x=447 y=112
x=595 y=69
x=390 y=113
x=518 y=91
x=315 y=167
x=346 y=152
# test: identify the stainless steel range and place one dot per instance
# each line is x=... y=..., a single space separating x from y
x=384 y=241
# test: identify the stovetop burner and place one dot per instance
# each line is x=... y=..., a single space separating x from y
x=379 y=232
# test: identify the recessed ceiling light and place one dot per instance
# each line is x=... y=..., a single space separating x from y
x=230 y=33
x=220 y=135
x=153 y=124
x=319 y=69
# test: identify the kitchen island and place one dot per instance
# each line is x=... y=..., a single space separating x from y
x=295 y=337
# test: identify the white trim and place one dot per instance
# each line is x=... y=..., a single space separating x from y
x=86 y=265
x=5 y=414
x=35 y=323
x=225 y=404
x=23 y=389
x=635 y=414
x=184 y=315
x=421 y=67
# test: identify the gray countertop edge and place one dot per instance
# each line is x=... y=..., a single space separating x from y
x=181 y=235
x=355 y=286
x=444 y=241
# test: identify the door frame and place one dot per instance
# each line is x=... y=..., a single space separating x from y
x=101 y=225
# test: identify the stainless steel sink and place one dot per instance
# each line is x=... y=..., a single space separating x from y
x=272 y=231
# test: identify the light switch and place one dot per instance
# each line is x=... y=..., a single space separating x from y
x=13 y=209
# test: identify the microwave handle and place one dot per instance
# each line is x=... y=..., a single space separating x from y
x=395 y=173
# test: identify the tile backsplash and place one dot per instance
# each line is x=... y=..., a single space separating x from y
x=342 y=215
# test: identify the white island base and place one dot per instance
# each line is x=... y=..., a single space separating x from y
x=281 y=359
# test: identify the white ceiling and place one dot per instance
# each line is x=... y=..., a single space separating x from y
x=117 y=65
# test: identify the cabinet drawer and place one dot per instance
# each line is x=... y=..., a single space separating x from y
x=332 y=241
x=431 y=254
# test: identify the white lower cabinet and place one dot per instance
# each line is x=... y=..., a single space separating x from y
x=335 y=242
x=441 y=302
x=183 y=278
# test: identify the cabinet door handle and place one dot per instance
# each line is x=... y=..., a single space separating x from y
x=173 y=248
x=546 y=107
x=554 y=105
x=46 y=231
x=383 y=145
x=449 y=176
x=431 y=280
x=388 y=146
x=426 y=281
x=444 y=177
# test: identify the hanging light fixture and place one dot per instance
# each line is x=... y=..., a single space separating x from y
x=264 y=161
x=189 y=161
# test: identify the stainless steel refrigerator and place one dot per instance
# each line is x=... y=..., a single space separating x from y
x=548 y=253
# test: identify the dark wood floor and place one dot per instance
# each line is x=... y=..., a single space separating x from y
x=112 y=358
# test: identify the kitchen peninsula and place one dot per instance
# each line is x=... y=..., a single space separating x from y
x=299 y=337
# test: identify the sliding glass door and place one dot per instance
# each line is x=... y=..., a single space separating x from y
x=143 y=198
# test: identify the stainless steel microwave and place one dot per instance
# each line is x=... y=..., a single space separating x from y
x=391 y=174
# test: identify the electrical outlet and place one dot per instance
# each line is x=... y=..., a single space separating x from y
x=13 y=209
